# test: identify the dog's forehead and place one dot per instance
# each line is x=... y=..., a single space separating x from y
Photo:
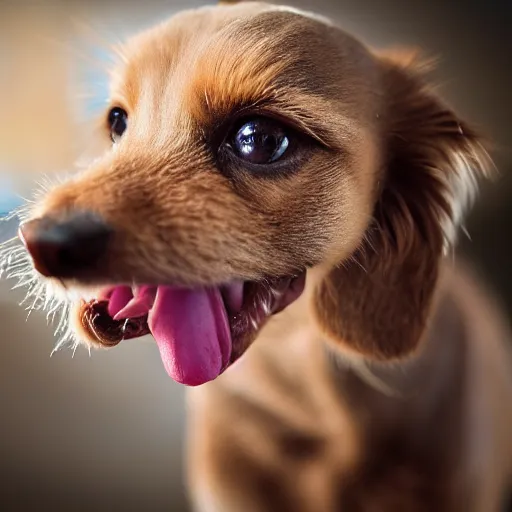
x=158 y=50
x=205 y=64
x=188 y=30
x=219 y=40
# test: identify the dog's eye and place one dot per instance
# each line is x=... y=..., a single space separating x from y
x=117 y=122
x=260 y=141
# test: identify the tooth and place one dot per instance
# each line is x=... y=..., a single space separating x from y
x=120 y=297
x=233 y=295
x=134 y=309
x=145 y=293
x=139 y=305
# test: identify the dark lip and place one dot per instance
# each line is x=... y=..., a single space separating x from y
x=104 y=329
x=244 y=324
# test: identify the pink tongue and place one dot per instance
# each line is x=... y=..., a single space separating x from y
x=192 y=332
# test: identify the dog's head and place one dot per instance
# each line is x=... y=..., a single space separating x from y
x=251 y=143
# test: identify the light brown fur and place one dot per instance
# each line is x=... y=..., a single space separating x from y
x=377 y=390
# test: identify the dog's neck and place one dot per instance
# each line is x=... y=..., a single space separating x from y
x=384 y=324
x=427 y=368
x=377 y=311
x=400 y=391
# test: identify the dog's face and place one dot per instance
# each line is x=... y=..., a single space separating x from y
x=244 y=148
x=248 y=145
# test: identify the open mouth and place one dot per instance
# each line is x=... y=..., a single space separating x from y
x=199 y=331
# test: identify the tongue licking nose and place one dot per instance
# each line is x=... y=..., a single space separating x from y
x=191 y=328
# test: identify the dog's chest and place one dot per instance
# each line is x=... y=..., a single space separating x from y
x=277 y=433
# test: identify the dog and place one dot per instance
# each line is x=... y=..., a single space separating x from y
x=279 y=208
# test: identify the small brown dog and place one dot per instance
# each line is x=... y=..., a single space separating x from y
x=270 y=177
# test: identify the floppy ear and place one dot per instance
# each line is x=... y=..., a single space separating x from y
x=377 y=303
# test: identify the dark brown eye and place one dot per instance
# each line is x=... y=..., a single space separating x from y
x=260 y=141
x=117 y=122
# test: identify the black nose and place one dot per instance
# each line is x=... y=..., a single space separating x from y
x=66 y=248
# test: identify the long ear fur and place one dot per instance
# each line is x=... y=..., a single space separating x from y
x=378 y=303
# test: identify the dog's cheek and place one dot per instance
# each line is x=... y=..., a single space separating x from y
x=322 y=213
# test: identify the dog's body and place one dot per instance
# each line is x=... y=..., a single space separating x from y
x=294 y=427
x=261 y=155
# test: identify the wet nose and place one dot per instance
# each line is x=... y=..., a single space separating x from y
x=65 y=248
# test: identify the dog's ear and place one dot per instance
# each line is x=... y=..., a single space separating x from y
x=377 y=304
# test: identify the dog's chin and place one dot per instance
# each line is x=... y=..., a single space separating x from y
x=199 y=331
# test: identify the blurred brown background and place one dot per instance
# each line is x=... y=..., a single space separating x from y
x=106 y=433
